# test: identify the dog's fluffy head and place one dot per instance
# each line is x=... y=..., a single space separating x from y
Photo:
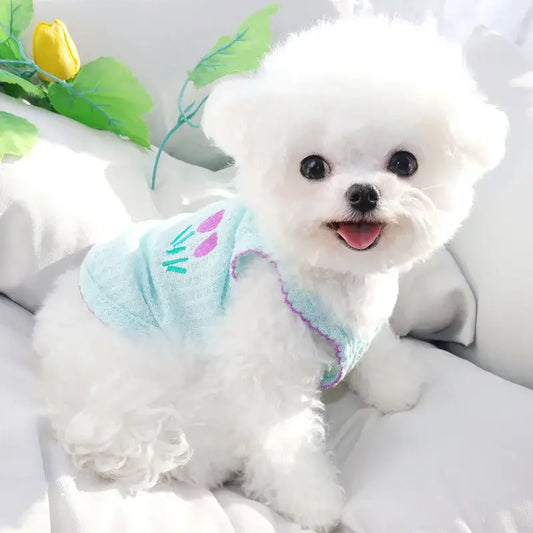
x=353 y=93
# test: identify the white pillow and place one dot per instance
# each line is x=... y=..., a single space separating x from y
x=76 y=187
x=495 y=246
x=435 y=302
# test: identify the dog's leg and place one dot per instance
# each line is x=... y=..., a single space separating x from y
x=124 y=432
x=387 y=377
x=110 y=400
x=289 y=469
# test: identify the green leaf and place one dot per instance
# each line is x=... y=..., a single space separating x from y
x=13 y=90
x=240 y=53
x=17 y=135
x=106 y=96
x=15 y=17
x=27 y=86
x=9 y=49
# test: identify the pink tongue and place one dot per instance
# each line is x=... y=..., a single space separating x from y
x=359 y=235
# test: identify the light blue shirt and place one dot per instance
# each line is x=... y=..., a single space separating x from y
x=176 y=277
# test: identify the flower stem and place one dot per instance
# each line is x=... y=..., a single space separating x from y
x=180 y=105
x=161 y=148
x=14 y=62
x=184 y=117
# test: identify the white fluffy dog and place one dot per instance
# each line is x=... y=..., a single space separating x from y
x=357 y=144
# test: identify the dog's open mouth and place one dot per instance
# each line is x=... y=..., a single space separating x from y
x=361 y=235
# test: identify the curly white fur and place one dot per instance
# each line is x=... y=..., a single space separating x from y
x=353 y=91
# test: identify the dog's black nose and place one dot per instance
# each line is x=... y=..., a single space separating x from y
x=363 y=197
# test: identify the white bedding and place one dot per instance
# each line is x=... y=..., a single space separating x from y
x=23 y=501
x=459 y=462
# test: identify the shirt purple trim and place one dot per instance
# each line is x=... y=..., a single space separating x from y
x=304 y=319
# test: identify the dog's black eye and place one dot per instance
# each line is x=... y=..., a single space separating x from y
x=403 y=164
x=314 y=167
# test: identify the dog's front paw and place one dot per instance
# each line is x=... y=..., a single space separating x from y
x=302 y=487
x=395 y=392
x=315 y=507
x=390 y=382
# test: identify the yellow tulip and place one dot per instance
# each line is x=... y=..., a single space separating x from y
x=55 y=51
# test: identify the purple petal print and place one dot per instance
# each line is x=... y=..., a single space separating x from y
x=206 y=246
x=209 y=224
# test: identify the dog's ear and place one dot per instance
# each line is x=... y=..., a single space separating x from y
x=228 y=113
x=482 y=132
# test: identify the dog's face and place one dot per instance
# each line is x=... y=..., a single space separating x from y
x=358 y=143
